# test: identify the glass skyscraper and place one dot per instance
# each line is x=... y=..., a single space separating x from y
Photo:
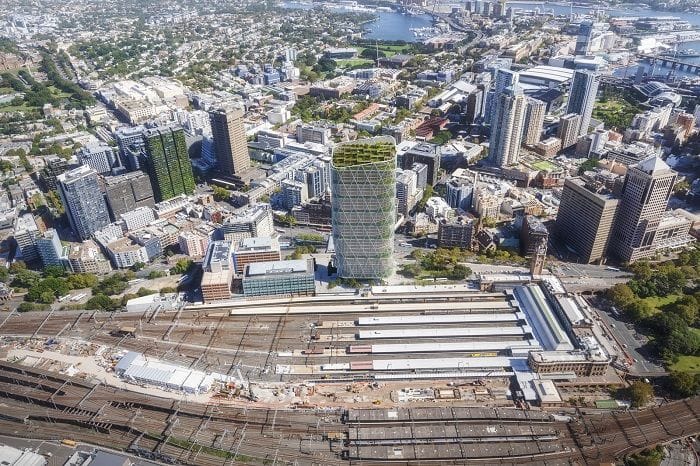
x=363 y=207
x=83 y=200
x=168 y=162
x=584 y=89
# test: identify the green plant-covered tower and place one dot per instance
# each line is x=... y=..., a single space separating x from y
x=168 y=162
x=363 y=194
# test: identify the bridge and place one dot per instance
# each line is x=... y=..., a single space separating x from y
x=668 y=62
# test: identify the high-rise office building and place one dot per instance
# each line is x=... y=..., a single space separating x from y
x=568 y=129
x=255 y=221
x=406 y=191
x=507 y=127
x=585 y=219
x=429 y=155
x=168 y=162
x=51 y=250
x=584 y=89
x=128 y=192
x=82 y=198
x=503 y=79
x=230 y=142
x=364 y=207
x=534 y=121
x=55 y=165
x=100 y=157
x=26 y=233
x=583 y=39
x=131 y=143
x=645 y=193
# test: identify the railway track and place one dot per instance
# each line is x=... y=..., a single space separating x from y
x=41 y=404
x=186 y=433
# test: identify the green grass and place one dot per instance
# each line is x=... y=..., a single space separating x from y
x=544 y=165
x=16 y=108
x=349 y=62
x=387 y=49
x=690 y=364
x=615 y=111
x=657 y=302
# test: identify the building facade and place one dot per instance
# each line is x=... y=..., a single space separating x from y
x=645 y=193
x=585 y=219
x=128 y=192
x=230 y=142
x=82 y=198
x=507 y=127
x=568 y=130
x=456 y=233
x=534 y=121
x=584 y=89
x=363 y=207
x=288 y=278
x=168 y=162
x=253 y=250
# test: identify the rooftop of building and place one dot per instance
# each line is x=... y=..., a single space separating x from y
x=652 y=164
x=285 y=267
x=125 y=244
x=364 y=151
x=113 y=180
x=76 y=173
x=535 y=225
x=257 y=244
x=219 y=251
x=25 y=222
x=552 y=73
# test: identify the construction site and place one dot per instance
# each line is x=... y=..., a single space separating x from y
x=389 y=374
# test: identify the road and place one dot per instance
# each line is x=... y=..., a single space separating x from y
x=626 y=334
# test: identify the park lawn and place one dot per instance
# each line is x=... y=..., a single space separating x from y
x=59 y=93
x=615 y=112
x=389 y=50
x=657 y=302
x=16 y=108
x=690 y=364
x=6 y=90
x=349 y=62
x=544 y=165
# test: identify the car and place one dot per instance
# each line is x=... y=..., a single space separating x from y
x=624 y=345
x=612 y=325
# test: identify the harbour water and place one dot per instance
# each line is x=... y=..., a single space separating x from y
x=391 y=25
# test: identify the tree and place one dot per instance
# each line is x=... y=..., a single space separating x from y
x=640 y=393
x=686 y=308
x=182 y=266
x=621 y=295
x=145 y=292
x=101 y=302
x=54 y=271
x=684 y=383
x=648 y=457
x=489 y=222
x=78 y=281
x=587 y=165
x=137 y=266
x=221 y=194
x=639 y=309
x=25 y=279
x=681 y=187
